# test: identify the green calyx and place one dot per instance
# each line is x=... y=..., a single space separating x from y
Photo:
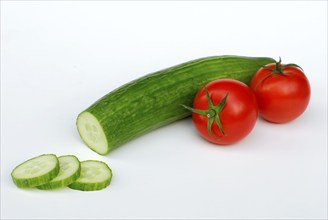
x=279 y=69
x=212 y=113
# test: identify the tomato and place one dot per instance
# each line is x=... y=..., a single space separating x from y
x=224 y=111
x=282 y=92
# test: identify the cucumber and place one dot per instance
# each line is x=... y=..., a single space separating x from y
x=95 y=175
x=156 y=99
x=36 y=171
x=69 y=171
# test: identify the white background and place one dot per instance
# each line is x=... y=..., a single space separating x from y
x=57 y=58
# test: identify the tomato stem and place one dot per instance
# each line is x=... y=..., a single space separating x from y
x=212 y=113
x=278 y=69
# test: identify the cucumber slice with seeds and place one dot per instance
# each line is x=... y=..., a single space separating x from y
x=36 y=171
x=95 y=175
x=69 y=171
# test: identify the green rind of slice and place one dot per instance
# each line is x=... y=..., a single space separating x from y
x=36 y=171
x=95 y=175
x=69 y=171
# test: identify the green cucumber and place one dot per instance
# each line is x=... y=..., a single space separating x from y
x=156 y=99
x=36 y=171
x=69 y=171
x=95 y=175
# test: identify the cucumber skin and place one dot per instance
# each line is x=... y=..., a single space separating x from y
x=57 y=185
x=155 y=99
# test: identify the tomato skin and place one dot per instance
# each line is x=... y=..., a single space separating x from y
x=237 y=117
x=281 y=97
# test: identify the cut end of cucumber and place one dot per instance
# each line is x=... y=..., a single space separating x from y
x=92 y=133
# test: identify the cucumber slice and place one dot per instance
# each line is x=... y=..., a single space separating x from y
x=69 y=171
x=36 y=171
x=95 y=175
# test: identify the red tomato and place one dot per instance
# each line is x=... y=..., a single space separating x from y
x=224 y=111
x=282 y=92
